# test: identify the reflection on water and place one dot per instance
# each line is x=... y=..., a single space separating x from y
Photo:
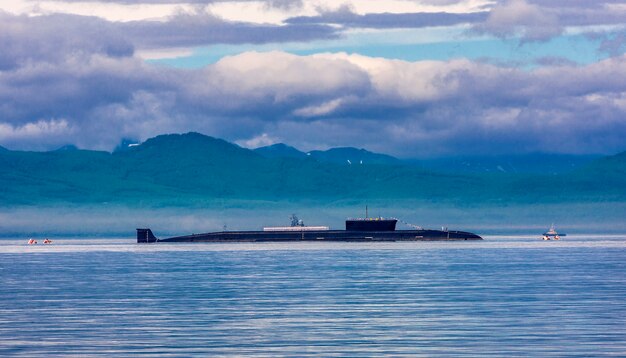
x=505 y=296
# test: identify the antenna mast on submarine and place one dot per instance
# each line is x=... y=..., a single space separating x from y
x=366 y=211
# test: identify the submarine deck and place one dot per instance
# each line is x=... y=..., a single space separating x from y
x=324 y=235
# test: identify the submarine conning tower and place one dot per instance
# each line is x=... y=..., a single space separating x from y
x=371 y=224
x=145 y=236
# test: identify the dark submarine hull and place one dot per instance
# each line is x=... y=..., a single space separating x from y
x=146 y=236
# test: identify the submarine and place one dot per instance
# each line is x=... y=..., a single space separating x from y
x=356 y=230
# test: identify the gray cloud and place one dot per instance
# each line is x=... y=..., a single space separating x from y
x=203 y=29
x=612 y=43
x=85 y=94
x=573 y=3
x=540 y=20
x=56 y=37
x=518 y=17
x=61 y=35
x=531 y=20
x=344 y=16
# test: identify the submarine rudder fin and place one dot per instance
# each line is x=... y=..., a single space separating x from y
x=145 y=236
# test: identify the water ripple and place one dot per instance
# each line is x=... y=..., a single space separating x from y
x=501 y=297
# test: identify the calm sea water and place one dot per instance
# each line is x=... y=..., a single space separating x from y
x=505 y=296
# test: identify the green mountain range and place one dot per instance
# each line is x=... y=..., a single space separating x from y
x=343 y=155
x=538 y=163
x=194 y=169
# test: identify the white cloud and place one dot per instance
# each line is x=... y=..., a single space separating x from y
x=44 y=131
x=254 y=12
x=402 y=80
x=319 y=109
x=258 y=141
x=106 y=10
x=160 y=54
x=245 y=11
x=281 y=78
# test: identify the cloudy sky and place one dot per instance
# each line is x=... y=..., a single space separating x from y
x=412 y=78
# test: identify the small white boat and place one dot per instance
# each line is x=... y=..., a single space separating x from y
x=552 y=234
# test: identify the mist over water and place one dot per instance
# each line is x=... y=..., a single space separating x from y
x=505 y=296
x=120 y=221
